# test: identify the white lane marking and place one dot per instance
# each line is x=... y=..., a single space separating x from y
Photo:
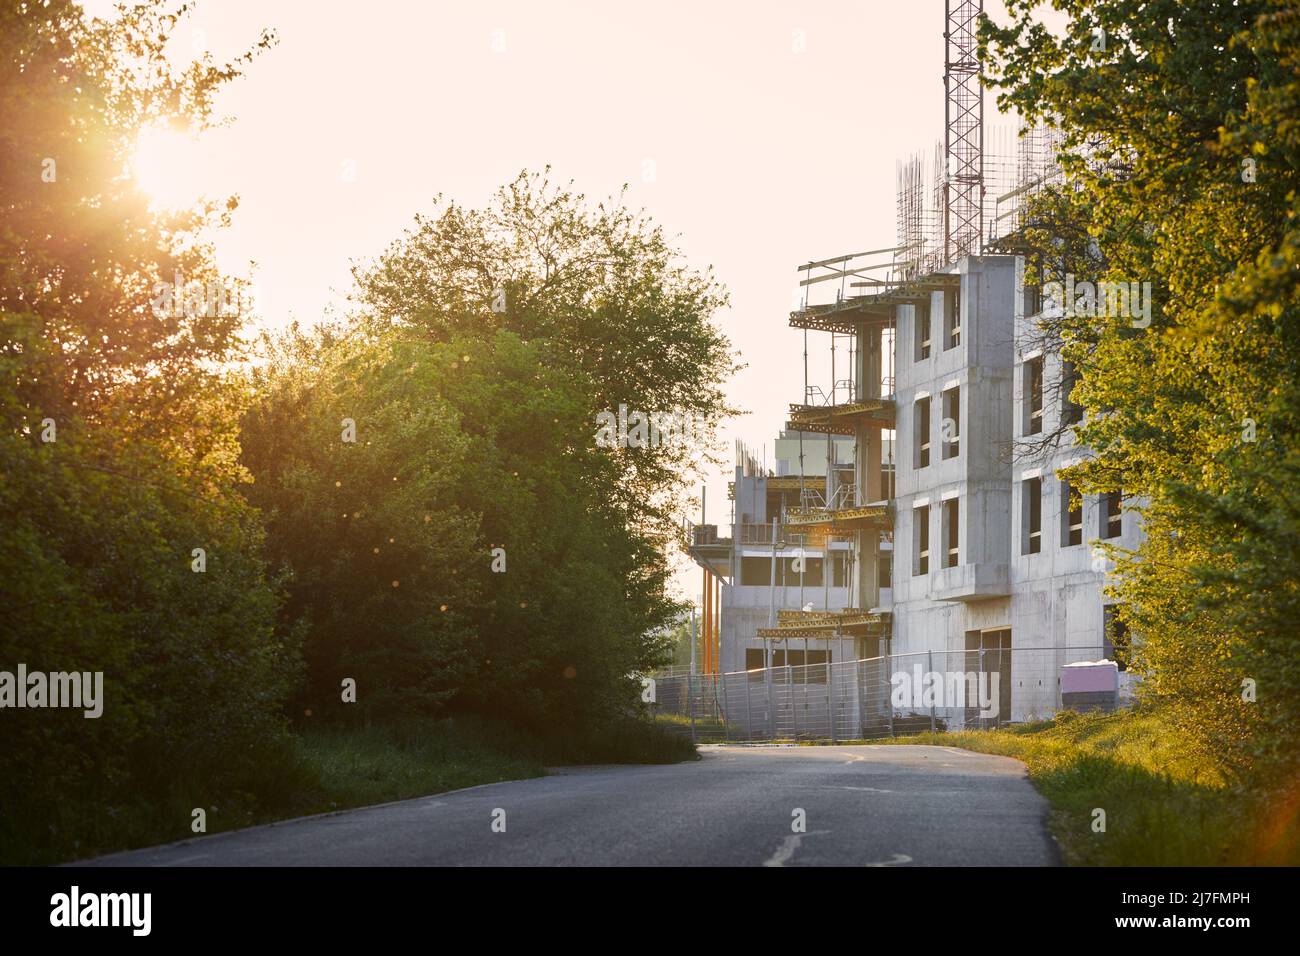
x=862 y=789
x=959 y=753
x=854 y=758
x=787 y=848
x=898 y=860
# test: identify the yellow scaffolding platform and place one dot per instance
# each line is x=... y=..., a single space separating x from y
x=821 y=625
x=833 y=520
x=842 y=419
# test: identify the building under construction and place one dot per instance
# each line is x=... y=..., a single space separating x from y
x=903 y=513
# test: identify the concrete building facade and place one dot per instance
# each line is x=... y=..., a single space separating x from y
x=948 y=528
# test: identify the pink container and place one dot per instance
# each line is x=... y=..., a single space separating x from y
x=1090 y=677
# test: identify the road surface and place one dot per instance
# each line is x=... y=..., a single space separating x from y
x=738 y=806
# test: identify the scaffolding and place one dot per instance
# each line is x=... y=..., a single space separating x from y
x=920 y=233
x=961 y=200
x=1036 y=167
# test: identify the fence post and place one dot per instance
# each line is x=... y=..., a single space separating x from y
x=861 y=700
x=789 y=685
x=979 y=718
x=690 y=703
x=768 y=674
x=749 y=708
x=830 y=697
x=889 y=700
x=726 y=731
x=929 y=663
x=1004 y=657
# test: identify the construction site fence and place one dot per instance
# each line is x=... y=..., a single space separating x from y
x=888 y=696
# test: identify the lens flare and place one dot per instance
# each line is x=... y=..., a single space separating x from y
x=169 y=167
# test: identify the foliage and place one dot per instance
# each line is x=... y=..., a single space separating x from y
x=121 y=453
x=485 y=345
x=1166 y=800
x=369 y=528
x=461 y=448
x=118 y=440
x=601 y=284
x=1183 y=160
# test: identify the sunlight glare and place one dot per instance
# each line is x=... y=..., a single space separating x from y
x=169 y=166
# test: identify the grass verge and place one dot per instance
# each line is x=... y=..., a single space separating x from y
x=324 y=768
x=1164 y=803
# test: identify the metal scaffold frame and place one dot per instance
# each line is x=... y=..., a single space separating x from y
x=965 y=199
x=963 y=180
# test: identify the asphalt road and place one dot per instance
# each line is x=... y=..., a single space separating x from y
x=861 y=806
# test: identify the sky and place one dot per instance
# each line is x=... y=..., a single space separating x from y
x=761 y=134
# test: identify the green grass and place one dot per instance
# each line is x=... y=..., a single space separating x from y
x=356 y=767
x=1165 y=804
x=321 y=769
x=681 y=724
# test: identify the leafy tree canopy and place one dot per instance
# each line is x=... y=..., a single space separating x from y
x=1182 y=126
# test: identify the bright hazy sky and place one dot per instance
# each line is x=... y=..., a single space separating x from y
x=772 y=128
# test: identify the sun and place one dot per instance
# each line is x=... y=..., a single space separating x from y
x=169 y=167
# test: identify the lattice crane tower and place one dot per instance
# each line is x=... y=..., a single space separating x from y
x=963 y=173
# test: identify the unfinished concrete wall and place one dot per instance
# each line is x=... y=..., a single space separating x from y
x=1049 y=598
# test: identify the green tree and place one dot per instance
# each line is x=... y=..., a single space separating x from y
x=601 y=284
x=118 y=444
x=358 y=465
x=1182 y=161
x=461 y=552
x=573 y=614
x=485 y=346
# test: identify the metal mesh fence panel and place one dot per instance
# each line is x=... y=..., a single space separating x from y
x=893 y=695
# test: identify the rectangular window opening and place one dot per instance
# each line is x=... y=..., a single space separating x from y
x=1112 y=514
x=1031 y=510
x=921 y=312
x=951 y=533
x=1071 y=412
x=921 y=432
x=952 y=319
x=1033 y=301
x=921 y=540
x=951 y=425
x=1032 y=396
x=1071 y=516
